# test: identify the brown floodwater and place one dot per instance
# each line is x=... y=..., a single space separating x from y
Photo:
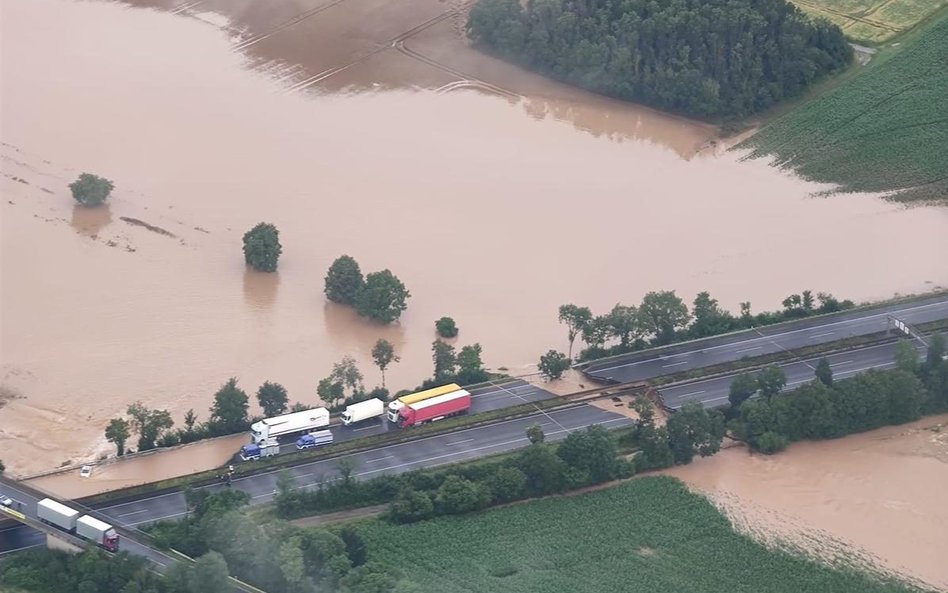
x=492 y=209
x=875 y=499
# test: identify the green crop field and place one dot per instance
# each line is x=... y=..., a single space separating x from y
x=884 y=129
x=647 y=535
x=872 y=21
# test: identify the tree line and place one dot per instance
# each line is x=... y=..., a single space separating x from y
x=585 y=457
x=825 y=408
x=707 y=58
x=663 y=318
x=278 y=557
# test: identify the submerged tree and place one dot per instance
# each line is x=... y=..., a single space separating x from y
x=383 y=353
x=91 y=190
x=262 y=247
x=117 y=432
x=343 y=280
x=383 y=297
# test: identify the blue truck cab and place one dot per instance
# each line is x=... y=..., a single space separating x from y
x=314 y=439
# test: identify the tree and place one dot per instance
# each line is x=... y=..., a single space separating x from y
x=149 y=424
x=411 y=505
x=693 y=429
x=117 y=432
x=291 y=563
x=330 y=391
x=445 y=360
x=346 y=373
x=507 y=483
x=446 y=327
x=591 y=451
x=553 y=364
x=906 y=357
x=383 y=297
x=457 y=495
x=229 y=411
x=662 y=314
x=210 y=575
x=383 y=353
x=936 y=351
x=771 y=380
x=709 y=318
x=343 y=280
x=3 y=467
x=470 y=366
x=272 y=398
x=355 y=546
x=535 y=434
x=576 y=318
x=262 y=247
x=771 y=442
x=597 y=331
x=824 y=373
x=91 y=190
x=189 y=419
x=742 y=387
x=544 y=470
x=624 y=324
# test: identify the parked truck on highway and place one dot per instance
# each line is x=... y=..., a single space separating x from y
x=87 y=527
x=265 y=448
x=289 y=424
x=370 y=408
x=58 y=514
x=436 y=408
x=97 y=531
x=396 y=405
x=314 y=439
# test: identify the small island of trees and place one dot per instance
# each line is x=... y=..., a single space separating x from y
x=707 y=58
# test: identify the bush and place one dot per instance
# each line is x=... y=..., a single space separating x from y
x=553 y=364
x=446 y=327
x=91 y=190
x=411 y=506
x=262 y=247
x=770 y=442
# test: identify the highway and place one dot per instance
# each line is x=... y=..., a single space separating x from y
x=461 y=445
x=714 y=392
x=764 y=340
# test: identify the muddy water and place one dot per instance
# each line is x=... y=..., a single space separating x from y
x=490 y=209
x=877 y=497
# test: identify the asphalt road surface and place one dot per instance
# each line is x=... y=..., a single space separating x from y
x=483 y=399
x=714 y=392
x=461 y=445
x=764 y=340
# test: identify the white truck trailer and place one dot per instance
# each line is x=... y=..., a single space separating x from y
x=289 y=424
x=56 y=513
x=97 y=531
x=370 y=408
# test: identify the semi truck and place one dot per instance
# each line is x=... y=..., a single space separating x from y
x=314 y=439
x=395 y=406
x=58 y=514
x=289 y=424
x=265 y=448
x=97 y=531
x=87 y=527
x=370 y=408
x=435 y=408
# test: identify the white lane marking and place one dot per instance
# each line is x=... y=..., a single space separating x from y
x=162 y=518
x=693 y=393
x=23 y=548
x=857 y=321
x=674 y=364
x=749 y=349
x=456 y=453
x=460 y=442
x=875 y=366
x=379 y=459
x=822 y=335
x=366 y=427
x=836 y=364
x=134 y=513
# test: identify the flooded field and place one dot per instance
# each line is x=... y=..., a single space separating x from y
x=495 y=195
x=875 y=498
